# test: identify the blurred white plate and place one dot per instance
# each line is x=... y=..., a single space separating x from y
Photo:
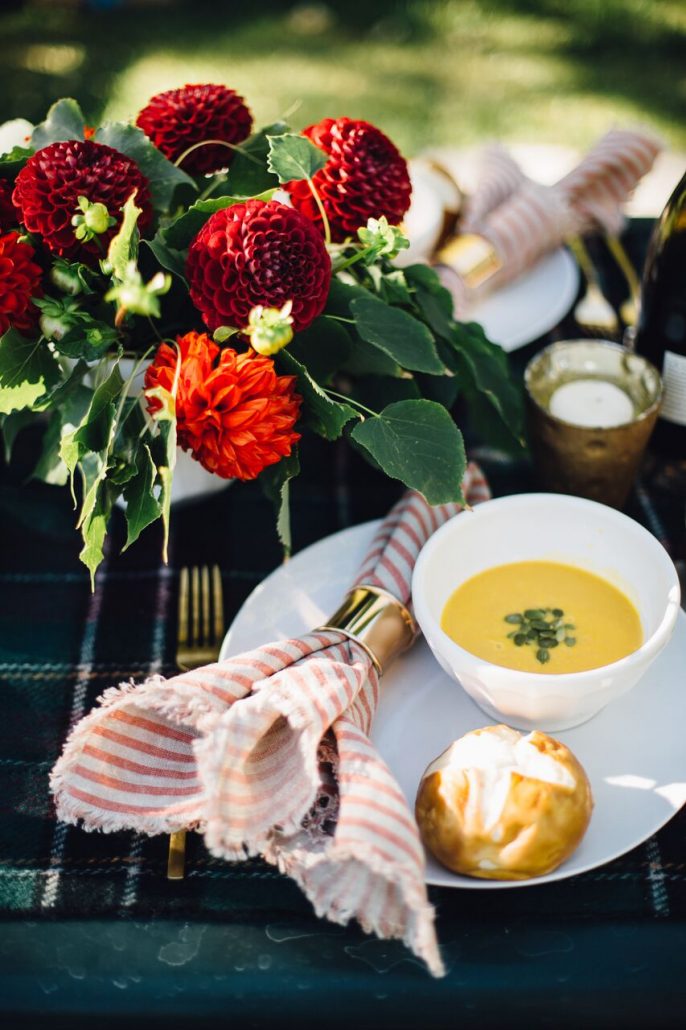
x=632 y=751
x=517 y=313
x=530 y=305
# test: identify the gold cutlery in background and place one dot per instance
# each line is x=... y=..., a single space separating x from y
x=593 y=312
x=628 y=311
x=199 y=637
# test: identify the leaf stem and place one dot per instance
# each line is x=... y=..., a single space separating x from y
x=351 y=260
x=215 y=143
x=322 y=212
x=351 y=400
x=209 y=190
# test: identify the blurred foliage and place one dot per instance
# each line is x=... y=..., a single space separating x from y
x=449 y=71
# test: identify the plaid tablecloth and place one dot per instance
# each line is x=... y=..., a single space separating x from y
x=608 y=943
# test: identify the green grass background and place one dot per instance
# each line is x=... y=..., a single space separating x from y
x=444 y=72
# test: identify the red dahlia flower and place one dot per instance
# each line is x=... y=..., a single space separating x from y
x=365 y=177
x=50 y=183
x=178 y=118
x=19 y=282
x=258 y=253
x=234 y=413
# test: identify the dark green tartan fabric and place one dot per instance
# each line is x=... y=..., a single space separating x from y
x=60 y=646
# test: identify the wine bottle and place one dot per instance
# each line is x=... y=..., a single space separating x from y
x=661 y=329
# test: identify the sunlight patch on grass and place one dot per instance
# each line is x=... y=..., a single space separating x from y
x=477 y=71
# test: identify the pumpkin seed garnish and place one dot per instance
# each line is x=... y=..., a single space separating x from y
x=543 y=628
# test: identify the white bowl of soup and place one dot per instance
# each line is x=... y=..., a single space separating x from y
x=545 y=607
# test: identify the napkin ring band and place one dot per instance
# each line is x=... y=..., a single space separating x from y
x=377 y=621
x=473 y=257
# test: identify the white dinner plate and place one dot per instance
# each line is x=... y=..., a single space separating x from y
x=518 y=312
x=530 y=305
x=632 y=751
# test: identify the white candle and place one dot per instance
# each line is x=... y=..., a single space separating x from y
x=592 y=402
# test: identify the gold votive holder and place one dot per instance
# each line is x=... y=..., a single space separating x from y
x=595 y=461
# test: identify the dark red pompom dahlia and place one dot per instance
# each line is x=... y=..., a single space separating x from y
x=19 y=282
x=9 y=216
x=365 y=177
x=258 y=253
x=233 y=412
x=179 y=118
x=50 y=183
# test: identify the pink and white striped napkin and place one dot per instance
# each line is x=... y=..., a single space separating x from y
x=533 y=218
x=497 y=177
x=269 y=753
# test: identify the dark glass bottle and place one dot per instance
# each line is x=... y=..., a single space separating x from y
x=661 y=330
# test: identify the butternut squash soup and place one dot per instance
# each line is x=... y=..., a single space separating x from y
x=542 y=616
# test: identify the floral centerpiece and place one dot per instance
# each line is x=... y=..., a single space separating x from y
x=250 y=275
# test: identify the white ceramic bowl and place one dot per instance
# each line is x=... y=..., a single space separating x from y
x=554 y=527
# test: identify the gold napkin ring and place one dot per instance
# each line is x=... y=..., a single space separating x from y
x=377 y=621
x=473 y=257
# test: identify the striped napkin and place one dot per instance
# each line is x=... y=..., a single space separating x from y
x=533 y=218
x=497 y=176
x=269 y=753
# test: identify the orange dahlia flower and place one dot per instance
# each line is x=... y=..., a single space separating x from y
x=233 y=412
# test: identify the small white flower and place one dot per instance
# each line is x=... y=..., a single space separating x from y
x=15 y=133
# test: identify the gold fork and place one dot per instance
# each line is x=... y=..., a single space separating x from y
x=593 y=312
x=199 y=638
x=629 y=308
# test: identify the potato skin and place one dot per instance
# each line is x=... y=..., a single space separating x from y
x=540 y=825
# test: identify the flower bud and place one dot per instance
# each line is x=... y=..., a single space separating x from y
x=270 y=329
x=97 y=218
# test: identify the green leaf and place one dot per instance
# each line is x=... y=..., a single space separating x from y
x=418 y=443
x=50 y=468
x=432 y=298
x=64 y=121
x=248 y=174
x=27 y=370
x=294 y=157
x=124 y=245
x=13 y=162
x=11 y=426
x=486 y=380
x=393 y=288
x=95 y=430
x=376 y=392
x=88 y=446
x=341 y=296
x=162 y=175
x=182 y=231
x=173 y=260
x=94 y=530
x=163 y=449
x=142 y=507
x=444 y=389
x=364 y=360
x=402 y=337
x=88 y=342
x=322 y=348
x=322 y=413
x=275 y=482
x=68 y=405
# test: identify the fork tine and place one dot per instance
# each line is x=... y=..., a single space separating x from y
x=182 y=637
x=218 y=597
x=195 y=607
x=206 y=614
